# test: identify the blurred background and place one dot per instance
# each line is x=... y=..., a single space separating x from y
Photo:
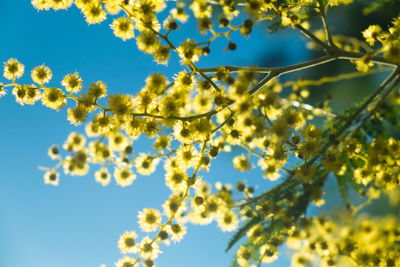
x=78 y=223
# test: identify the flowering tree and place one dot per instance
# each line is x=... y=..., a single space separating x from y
x=205 y=111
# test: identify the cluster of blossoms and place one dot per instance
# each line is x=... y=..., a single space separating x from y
x=205 y=111
x=345 y=240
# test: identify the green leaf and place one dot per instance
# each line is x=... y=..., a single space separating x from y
x=242 y=231
x=374 y=5
x=343 y=188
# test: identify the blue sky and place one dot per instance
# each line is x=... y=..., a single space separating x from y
x=79 y=222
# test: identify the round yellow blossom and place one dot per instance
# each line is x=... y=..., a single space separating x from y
x=149 y=219
x=187 y=156
x=189 y=52
x=102 y=176
x=126 y=261
x=98 y=89
x=227 y=220
x=78 y=114
x=174 y=206
x=82 y=4
x=177 y=231
x=72 y=82
x=145 y=165
x=41 y=74
x=269 y=253
x=181 y=133
x=150 y=249
x=147 y=42
x=112 y=6
x=242 y=163
x=94 y=13
x=179 y=13
x=54 y=152
x=40 y=4
x=51 y=177
x=13 y=69
x=243 y=256
x=117 y=141
x=123 y=28
x=127 y=243
x=170 y=106
x=134 y=126
x=124 y=176
x=75 y=142
x=184 y=81
x=60 y=4
x=371 y=34
x=53 y=98
x=120 y=105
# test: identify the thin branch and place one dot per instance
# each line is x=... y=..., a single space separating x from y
x=313 y=37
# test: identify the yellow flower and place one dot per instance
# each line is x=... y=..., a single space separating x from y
x=243 y=256
x=242 y=163
x=20 y=93
x=54 y=98
x=145 y=100
x=305 y=172
x=13 y=69
x=126 y=262
x=78 y=114
x=150 y=249
x=202 y=103
x=127 y=244
x=134 y=126
x=162 y=142
x=112 y=6
x=311 y=131
x=117 y=141
x=51 y=177
x=77 y=164
x=179 y=13
x=201 y=9
x=121 y=105
x=177 y=231
x=156 y=82
x=74 y=142
x=149 y=219
x=310 y=148
x=124 y=176
x=161 y=54
x=94 y=13
x=227 y=220
x=201 y=129
x=147 y=42
x=170 y=106
x=174 y=206
x=40 y=4
x=181 y=133
x=184 y=81
x=82 y=4
x=269 y=253
x=187 y=156
x=60 y=4
x=371 y=34
x=145 y=165
x=123 y=28
x=72 y=82
x=41 y=74
x=54 y=152
x=102 y=176
x=99 y=152
x=189 y=52
x=98 y=89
